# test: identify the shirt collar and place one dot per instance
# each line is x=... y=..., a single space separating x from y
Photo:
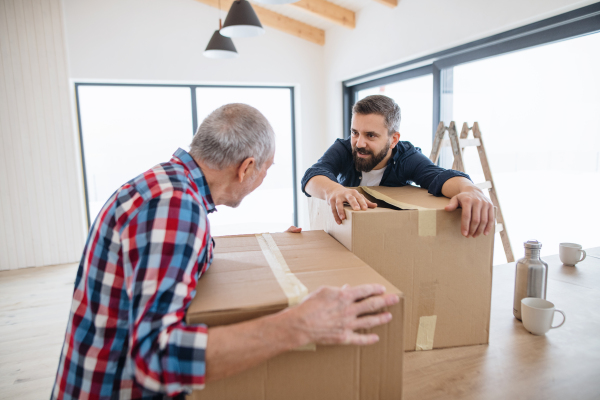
x=198 y=178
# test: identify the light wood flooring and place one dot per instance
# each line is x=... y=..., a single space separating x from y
x=34 y=309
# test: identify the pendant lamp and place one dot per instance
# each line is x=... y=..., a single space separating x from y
x=241 y=21
x=220 y=46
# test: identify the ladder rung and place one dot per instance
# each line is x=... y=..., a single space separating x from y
x=462 y=142
x=484 y=185
x=499 y=228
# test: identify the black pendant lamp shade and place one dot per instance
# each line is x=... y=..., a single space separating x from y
x=220 y=46
x=241 y=21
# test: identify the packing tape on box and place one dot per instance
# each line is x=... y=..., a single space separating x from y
x=427 y=216
x=426 y=332
x=294 y=290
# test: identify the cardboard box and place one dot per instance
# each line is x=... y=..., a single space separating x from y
x=241 y=285
x=417 y=245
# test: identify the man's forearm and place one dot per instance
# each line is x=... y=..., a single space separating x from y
x=234 y=348
x=456 y=185
x=321 y=186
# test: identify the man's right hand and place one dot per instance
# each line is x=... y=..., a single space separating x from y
x=337 y=197
x=331 y=315
x=327 y=316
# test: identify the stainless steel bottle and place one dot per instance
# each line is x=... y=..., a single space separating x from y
x=531 y=277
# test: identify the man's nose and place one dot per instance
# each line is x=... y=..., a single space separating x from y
x=361 y=143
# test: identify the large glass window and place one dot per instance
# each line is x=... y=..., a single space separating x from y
x=127 y=129
x=538 y=111
x=270 y=208
x=415 y=98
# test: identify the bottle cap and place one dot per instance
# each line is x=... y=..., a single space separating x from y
x=533 y=244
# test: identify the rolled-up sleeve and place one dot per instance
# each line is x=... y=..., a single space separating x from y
x=419 y=169
x=162 y=244
x=329 y=165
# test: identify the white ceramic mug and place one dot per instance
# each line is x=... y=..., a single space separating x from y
x=571 y=253
x=537 y=315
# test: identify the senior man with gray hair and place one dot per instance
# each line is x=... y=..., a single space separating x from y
x=126 y=336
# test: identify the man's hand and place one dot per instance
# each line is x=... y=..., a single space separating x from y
x=294 y=229
x=332 y=315
x=327 y=316
x=477 y=212
x=336 y=199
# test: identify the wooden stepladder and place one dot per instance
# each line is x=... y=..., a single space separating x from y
x=458 y=146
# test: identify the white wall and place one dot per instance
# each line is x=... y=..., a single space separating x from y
x=157 y=41
x=41 y=214
x=415 y=28
x=41 y=205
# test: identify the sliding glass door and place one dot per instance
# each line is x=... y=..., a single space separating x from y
x=535 y=92
x=538 y=111
x=270 y=208
x=127 y=129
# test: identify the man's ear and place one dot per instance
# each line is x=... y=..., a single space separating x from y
x=395 y=139
x=245 y=169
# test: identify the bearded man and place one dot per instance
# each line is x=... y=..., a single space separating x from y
x=375 y=156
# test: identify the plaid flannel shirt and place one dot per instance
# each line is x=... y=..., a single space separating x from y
x=126 y=336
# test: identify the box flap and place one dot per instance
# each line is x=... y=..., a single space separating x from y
x=406 y=197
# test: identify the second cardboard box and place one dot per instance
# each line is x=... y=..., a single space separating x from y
x=418 y=246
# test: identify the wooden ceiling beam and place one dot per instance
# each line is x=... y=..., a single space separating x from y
x=277 y=21
x=329 y=11
x=389 y=3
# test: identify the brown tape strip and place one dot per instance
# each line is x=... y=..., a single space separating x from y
x=294 y=290
x=426 y=332
x=427 y=216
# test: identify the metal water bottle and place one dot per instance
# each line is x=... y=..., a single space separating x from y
x=531 y=277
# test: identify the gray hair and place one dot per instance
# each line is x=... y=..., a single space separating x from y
x=231 y=134
x=381 y=105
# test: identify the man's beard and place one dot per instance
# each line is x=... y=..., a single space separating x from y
x=367 y=164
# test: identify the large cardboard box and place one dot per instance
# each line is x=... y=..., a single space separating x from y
x=415 y=244
x=241 y=285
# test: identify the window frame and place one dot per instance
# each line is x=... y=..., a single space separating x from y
x=194 y=126
x=579 y=22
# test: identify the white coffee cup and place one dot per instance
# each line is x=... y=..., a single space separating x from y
x=571 y=253
x=538 y=314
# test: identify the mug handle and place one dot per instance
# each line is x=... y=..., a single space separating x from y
x=563 y=322
x=584 y=255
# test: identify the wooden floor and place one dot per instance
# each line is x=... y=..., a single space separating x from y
x=34 y=308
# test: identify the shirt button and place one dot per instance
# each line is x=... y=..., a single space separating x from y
x=360 y=178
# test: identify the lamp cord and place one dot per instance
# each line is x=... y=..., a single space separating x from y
x=220 y=26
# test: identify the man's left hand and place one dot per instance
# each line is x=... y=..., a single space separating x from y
x=477 y=212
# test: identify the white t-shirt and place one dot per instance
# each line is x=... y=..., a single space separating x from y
x=372 y=178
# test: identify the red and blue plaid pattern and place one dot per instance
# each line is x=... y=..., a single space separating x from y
x=126 y=337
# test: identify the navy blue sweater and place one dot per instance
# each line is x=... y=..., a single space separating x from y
x=406 y=165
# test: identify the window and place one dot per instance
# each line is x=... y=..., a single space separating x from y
x=127 y=129
x=270 y=208
x=538 y=111
x=534 y=91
